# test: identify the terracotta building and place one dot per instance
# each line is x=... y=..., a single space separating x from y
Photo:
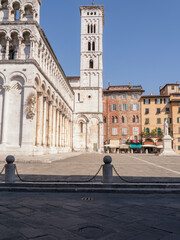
x=121 y=113
x=155 y=109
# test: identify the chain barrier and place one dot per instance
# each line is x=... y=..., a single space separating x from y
x=57 y=181
x=2 y=170
x=128 y=181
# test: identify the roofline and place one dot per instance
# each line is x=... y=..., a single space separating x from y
x=155 y=96
x=170 y=85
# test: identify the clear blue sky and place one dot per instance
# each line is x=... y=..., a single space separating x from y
x=141 y=39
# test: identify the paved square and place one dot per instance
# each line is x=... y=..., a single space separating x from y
x=70 y=216
x=76 y=166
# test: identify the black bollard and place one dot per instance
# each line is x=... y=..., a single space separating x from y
x=107 y=170
x=10 y=169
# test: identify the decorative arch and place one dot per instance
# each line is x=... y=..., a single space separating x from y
x=18 y=74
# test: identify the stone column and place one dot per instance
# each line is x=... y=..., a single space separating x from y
x=19 y=48
x=50 y=124
x=9 y=13
x=34 y=14
x=57 y=128
x=39 y=122
x=31 y=55
x=5 y=113
x=60 y=128
x=53 y=126
x=44 y=121
x=62 y=131
x=7 y=48
x=65 y=128
x=21 y=14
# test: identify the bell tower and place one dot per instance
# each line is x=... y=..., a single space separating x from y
x=88 y=114
x=92 y=22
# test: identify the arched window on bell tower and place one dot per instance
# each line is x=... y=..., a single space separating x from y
x=93 y=46
x=91 y=28
x=89 y=46
x=94 y=28
x=91 y=64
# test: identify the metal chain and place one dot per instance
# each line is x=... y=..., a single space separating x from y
x=125 y=180
x=2 y=170
x=58 y=181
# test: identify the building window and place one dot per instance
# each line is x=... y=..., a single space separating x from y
x=178 y=139
x=146 y=110
x=135 y=131
x=146 y=120
x=114 y=96
x=169 y=120
x=91 y=64
x=135 y=96
x=172 y=88
x=178 y=109
x=147 y=101
x=137 y=119
x=88 y=28
x=158 y=120
x=123 y=96
x=93 y=46
x=114 y=131
x=124 y=107
x=178 y=120
x=116 y=120
x=104 y=119
x=179 y=130
x=158 y=101
x=124 y=131
x=159 y=131
x=79 y=97
x=81 y=127
x=87 y=13
x=135 y=107
x=103 y=107
x=113 y=107
x=147 y=130
x=123 y=119
x=166 y=100
x=89 y=46
x=178 y=147
x=158 y=111
x=134 y=119
x=167 y=110
x=94 y=28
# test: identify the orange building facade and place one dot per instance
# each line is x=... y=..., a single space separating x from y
x=121 y=113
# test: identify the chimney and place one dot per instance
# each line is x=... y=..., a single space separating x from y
x=177 y=82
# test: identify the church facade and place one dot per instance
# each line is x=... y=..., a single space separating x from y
x=41 y=110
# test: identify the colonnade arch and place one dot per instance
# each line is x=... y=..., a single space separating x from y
x=53 y=124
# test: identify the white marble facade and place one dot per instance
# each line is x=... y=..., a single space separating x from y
x=39 y=111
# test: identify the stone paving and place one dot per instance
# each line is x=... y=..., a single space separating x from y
x=78 y=216
x=76 y=166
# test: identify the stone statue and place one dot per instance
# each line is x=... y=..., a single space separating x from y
x=166 y=128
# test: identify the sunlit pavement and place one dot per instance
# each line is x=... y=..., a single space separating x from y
x=76 y=216
x=76 y=166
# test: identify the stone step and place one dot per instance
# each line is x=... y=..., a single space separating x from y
x=102 y=188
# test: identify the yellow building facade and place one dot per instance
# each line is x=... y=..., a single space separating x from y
x=154 y=110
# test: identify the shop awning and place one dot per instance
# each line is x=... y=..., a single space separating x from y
x=135 y=145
